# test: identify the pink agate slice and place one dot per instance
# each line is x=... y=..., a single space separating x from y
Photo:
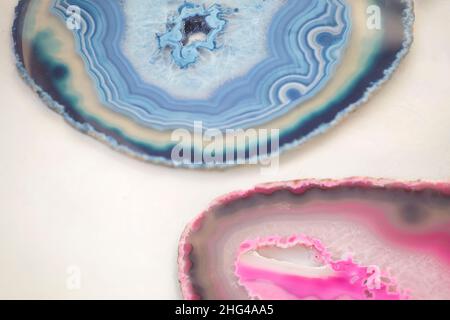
x=350 y=239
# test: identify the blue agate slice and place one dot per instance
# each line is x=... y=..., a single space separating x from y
x=132 y=73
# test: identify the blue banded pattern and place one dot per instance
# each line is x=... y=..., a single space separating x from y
x=298 y=66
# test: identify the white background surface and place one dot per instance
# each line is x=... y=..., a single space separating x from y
x=66 y=199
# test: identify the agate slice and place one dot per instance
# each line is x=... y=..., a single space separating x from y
x=131 y=72
x=351 y=239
